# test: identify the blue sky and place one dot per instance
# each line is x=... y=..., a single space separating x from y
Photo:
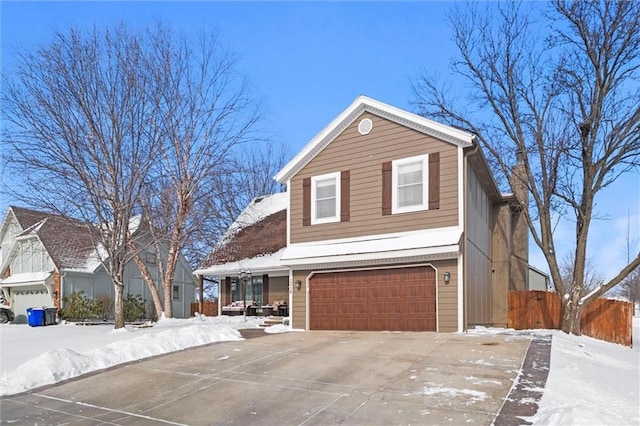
x=309 y=61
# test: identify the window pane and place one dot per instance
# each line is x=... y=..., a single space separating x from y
x=410 y=195
x=325 y=189
x=325 y=208
x=409 y=173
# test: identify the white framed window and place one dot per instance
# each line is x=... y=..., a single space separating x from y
x=325 y=198
x=410 y=184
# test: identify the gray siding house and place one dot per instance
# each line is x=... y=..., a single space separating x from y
x=46 y=257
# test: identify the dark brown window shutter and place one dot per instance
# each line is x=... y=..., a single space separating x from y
x=265 y=289
x=227 y=290
x=345 y=196
x=386 y=188
x=434 y=181
x=306 y=202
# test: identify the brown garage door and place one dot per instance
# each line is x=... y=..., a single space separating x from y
x=402 y=299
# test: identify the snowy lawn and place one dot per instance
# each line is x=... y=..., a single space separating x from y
x=36 y=356
x=590 y=382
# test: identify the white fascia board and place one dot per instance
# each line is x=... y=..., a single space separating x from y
x=378 y=258
x=306 y=153
x=226 y=271
x=384 y=243
x=263 y=264
x=288 y=212
x=361 y=104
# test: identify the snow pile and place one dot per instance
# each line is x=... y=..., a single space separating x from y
x=46 y=355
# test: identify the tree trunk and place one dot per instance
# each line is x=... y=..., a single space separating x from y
x=168 y=299
x=118 y=301
x=571 y=312
x=155 y=295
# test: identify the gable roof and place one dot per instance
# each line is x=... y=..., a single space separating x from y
x=69 y=242
x=349 y=115
x=260 y=230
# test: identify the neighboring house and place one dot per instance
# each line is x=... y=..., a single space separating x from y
x=46 y=257
x=394 y=222
x=538 y=280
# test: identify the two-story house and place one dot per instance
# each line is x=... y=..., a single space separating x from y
x=46 y=257
x=393 y=222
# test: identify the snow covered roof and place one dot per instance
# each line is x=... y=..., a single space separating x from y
x=441 y=242
x=253 y=240
x=258 y=209
x=25 y=279
x=349 y=115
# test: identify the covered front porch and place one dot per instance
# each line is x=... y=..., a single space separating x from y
x=253 y=287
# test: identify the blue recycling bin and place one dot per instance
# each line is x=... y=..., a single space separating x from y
x=35 y=317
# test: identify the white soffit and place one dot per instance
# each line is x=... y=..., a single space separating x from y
x=361 y=104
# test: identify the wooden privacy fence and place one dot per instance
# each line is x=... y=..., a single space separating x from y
x=210 y=308
x=604 y=319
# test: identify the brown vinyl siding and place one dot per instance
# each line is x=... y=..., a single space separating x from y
x=447 y=295
x=363 y=156
x=298 y=310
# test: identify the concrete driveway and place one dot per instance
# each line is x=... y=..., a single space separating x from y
x=314 y=378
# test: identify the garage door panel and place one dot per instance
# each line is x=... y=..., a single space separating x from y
x=376 y=300
x=386 y=308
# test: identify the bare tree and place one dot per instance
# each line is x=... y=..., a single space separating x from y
x=79 y=134
x=566 y=97
x=204 y=109
x=247 y=174
x=592 y=279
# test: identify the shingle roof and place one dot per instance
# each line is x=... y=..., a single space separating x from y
x=264 y=237
x=68 y=241
x=260 y=230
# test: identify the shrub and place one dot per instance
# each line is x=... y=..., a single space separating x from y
x=104 y=306
x=77 y=307
x=133 y=308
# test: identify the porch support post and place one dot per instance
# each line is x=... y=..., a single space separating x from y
x=201 y=292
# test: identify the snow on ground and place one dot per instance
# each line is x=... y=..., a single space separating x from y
x=37 y=356
x=590 y=382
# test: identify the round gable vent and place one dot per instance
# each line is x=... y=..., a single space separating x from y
x=365 y=126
